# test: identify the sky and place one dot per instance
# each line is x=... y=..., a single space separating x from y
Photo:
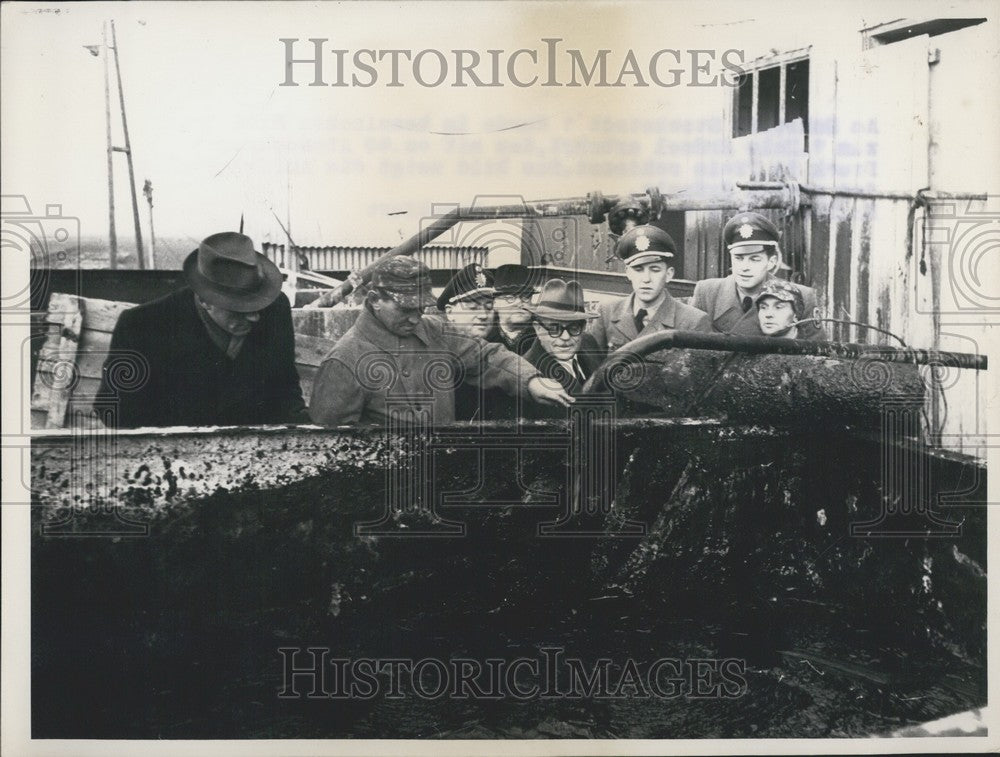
x=218 y=137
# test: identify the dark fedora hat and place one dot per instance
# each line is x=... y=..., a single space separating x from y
x=226 y=271
x=561 y=301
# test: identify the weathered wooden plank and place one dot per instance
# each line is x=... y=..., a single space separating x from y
x=63 y=379
x=862 y=273
x=819 y=248
x=310 y=350
x=330 y=323
x=98 y=315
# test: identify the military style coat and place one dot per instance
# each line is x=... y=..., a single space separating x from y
x=721 y=300
x=616 y=325
x=372 y=374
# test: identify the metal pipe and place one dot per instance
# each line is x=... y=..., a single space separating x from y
x=778 y=198
x=864 y=194
x=757 y=345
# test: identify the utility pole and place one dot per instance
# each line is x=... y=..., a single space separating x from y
x=112 y=234
x=147 y=190
x=127 y=149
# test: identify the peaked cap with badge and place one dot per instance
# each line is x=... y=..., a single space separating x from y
x=642 y=244
x=750 y=230
x=470 y=282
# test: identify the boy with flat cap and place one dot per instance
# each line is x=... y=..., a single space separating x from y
x=218 y=352
x=393 y=356
x=647 y=252
x=752 y=242
x=780 y=306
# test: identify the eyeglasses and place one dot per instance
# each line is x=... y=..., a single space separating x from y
x=556 y=329
x=513 y=299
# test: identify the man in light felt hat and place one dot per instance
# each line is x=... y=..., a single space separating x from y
x=755 y=253
x=220 y=351
x=394 y=360
x=648 y=253
x=563 y=350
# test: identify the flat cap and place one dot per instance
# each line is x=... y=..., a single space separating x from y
x=406 y=280
x=783 y=290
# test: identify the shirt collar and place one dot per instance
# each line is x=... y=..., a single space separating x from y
x=221 y=338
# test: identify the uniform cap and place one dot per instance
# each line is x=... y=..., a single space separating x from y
x=471 y=281
x=513 y=278
x=641 y=244
x=750 y=229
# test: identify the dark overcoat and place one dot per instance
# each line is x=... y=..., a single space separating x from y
x=163 y=369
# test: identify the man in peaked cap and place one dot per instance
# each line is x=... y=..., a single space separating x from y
x=393 y=362
x=648 y=253
x=467 y=300
x=563 y=350
x=220 y=351
x=754 y=251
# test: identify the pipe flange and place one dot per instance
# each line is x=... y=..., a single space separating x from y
x=598 y=207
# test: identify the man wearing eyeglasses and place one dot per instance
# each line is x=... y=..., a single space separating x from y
x=515 y=286
x=395 y=364
x=648 y=253
x=563 y=350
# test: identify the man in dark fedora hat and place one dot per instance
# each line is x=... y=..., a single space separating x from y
x=220 y=351
x=394 y=363
x=564 y=351
x=648 y=254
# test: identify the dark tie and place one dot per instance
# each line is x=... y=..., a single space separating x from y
x=579 y=371
x=640 y=320
x=747 y=304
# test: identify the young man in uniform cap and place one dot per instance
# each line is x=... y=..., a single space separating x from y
x=647 y=252
x=752 y=242
x=563 y=350
x=779 y=307
x=467 y=304
x=393 y=356
x=467 y=300
x=515 y=286
x=220 y=351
